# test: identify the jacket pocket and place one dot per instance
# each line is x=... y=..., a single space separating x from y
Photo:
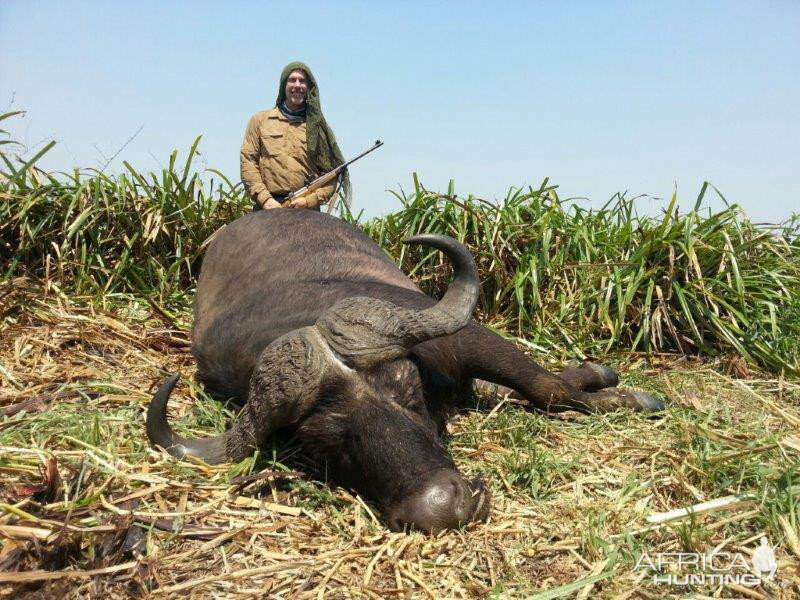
x=274 y=143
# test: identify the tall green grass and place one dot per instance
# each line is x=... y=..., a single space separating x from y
x=594 y=280
x=91 y=233
x=560 y=277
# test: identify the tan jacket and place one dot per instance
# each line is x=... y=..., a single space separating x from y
x=274 y=159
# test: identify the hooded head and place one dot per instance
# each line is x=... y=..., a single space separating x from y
x=323 y=151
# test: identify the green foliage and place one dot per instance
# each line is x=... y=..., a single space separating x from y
x=580 y=281
x=557 y=277
x=312 y=496
x=781 y=502
x=88 y=232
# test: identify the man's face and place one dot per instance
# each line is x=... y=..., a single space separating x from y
x=296 y=88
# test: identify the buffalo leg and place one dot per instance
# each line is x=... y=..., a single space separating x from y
x=605 y=400
x=490 y=358
x=587 y=377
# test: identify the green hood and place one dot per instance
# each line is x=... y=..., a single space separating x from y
x=323 y=151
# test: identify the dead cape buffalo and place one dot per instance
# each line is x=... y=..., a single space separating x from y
x=308 y=320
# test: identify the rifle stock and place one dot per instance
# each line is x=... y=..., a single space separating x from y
x=319 y=182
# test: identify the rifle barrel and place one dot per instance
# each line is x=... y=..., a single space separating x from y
x=377 y=145
x=325 y=177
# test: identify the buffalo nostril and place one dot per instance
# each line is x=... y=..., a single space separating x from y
x=481 y=497
x=440 y=497
x=438 y=507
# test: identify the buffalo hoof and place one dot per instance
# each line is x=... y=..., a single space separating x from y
x=447 y=501
x=607 y=375
x=647 y=402
x=589 y=376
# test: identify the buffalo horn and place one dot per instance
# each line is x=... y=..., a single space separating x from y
x=212 y=450
x=368 y=331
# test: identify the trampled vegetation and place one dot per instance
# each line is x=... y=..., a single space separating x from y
x=97 y=278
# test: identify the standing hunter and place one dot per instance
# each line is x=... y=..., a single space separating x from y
x=290 y=144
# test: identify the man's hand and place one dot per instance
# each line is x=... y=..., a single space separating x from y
x=297 y=203
x=271 y=203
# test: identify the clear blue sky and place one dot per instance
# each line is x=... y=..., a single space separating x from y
x=599 y=96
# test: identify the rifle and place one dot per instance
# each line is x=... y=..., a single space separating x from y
x=326 y=178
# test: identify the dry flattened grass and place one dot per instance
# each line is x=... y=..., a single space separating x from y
x=87 y=509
